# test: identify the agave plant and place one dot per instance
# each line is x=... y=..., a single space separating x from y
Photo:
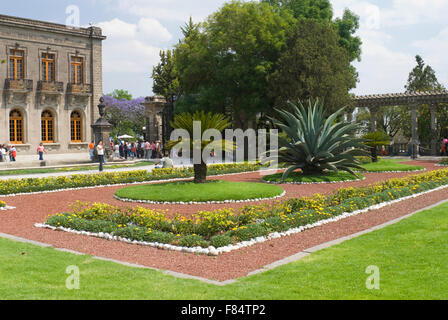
x=208 y=121
x=316 y=144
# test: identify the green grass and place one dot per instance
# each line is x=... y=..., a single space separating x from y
x=213 y=190
x=70 y=169
x=298 y=177
x=411 y=256
x=390 y=165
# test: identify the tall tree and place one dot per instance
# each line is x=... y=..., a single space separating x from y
x=121 y=94
x=423 y=78
x=166 y=81
x=313 y=65
x=322 y=11
x=228 y=63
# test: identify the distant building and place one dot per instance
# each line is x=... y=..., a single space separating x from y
x=52 y=82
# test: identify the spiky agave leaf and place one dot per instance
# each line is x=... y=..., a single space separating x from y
x=317 y=143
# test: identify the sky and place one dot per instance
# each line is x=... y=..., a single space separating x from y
x=393 y=33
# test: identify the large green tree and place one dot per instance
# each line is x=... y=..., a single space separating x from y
x=227 y=65
x=313 y=65
x=322 y=11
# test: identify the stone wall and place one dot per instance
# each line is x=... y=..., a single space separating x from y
x=35 y=38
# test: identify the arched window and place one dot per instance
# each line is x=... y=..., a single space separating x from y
x=76 y=127
x=47 y=121
x=15 y=127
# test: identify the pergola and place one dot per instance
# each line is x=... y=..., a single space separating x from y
x=411 y=99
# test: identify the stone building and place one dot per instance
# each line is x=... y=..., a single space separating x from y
x=52 y=82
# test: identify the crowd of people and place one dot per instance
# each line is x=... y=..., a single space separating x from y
x=124 y=150
x=136 y=150
x=7 y=153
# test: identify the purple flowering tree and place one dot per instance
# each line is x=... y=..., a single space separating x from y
x=126 y=116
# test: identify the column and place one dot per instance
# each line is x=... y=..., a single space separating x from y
x=414 y=141
x=433 y=110
x=373 y=113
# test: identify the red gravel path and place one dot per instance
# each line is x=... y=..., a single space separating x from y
x=31 y=209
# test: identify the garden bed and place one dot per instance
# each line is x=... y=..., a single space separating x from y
x=225 y=230
x=298 y=178
x=50 y=184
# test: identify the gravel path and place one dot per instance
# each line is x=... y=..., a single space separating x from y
x=31 y=209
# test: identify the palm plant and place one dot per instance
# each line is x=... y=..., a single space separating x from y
x=316 y=144
x=375 y=140
x=208 y=121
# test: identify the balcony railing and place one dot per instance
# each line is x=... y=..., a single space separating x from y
x=19 y=84
x=79 y=88
x=50 y=87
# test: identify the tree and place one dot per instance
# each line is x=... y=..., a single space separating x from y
x=207 y=121
x=423 y=78
x=227 y=64
x=121 y=94
x=375 y=140
x=312 y=65
x=126 y=116
x=322 y=12
x=166 y=81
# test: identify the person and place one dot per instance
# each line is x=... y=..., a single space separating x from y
x=91 y=147
x=133 y=151
x=3 y=152
x=40 y=151
x=116 y=151
x=445 y=146
x=165 y=162
x=126 y=150
x=147 y=150
x=153 y=150
x=12 y=153
x=100 y=152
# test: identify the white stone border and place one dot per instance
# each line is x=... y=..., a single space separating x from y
x=212 y=251
x=123 y=184
x=202 y=202
x=6 y=208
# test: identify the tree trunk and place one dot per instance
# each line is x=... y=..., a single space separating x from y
x=200 y=173
x=374 y=154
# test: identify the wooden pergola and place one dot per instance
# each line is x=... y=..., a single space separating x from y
x=411 y=99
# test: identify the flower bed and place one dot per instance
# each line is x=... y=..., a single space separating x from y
x=215 y=232
x=2 y=204
x=29 y=185
x=299 y=178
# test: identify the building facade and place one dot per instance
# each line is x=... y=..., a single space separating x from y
x=51 y=78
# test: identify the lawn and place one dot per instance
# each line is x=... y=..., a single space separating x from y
x=390 y=165
x=70 y=169
x=213 y=190
x=411 y=256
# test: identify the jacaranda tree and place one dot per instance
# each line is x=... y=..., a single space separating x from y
x=316 y=144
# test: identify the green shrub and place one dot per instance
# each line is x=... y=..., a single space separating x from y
x=193 y=241
x=220 y=241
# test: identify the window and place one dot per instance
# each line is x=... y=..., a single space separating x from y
x=16 y=64
x=76 y=70
x=75 y=127
x=48 y=69
x=15 y=127
x=47 y=121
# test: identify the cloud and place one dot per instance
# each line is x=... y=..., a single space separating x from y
x=132 y=47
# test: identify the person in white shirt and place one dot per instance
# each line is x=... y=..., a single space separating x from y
x=100 y=152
